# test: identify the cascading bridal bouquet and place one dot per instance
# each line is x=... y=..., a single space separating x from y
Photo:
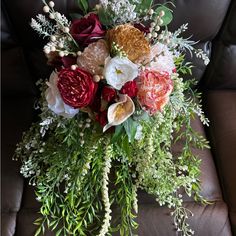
x=117 y=102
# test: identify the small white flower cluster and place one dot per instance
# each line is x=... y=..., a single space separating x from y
x=59 y=33
x=180 y=216
x=202 y=55
x=180 y=44
x=201 y=115
x=105 y=194
x=123 y=10
x=135 y=198
x=45 y=124
x=28 y=168
x=83 y=126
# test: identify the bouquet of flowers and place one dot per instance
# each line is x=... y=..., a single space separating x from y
x=111 y=110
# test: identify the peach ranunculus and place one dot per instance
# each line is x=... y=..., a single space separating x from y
x=154 y=90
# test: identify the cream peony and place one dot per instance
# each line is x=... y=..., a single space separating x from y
x=118 y=71
x=164 y=59
x=55 y=102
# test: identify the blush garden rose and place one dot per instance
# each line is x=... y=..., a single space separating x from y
x=76 y=87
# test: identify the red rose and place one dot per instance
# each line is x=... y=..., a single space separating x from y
x=130 y=88
x=87 y=29
x=76 y=87
x=108 y=93
x=101 y=117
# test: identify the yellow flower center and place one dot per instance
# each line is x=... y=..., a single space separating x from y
x=118 y=72
x=119 y=112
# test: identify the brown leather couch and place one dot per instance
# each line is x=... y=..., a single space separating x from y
x=213 y=24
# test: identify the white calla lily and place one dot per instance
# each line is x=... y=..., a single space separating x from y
x=119 y=112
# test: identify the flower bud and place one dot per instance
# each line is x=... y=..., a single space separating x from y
x=51 y=4
x=162 y=13
x=51 y=16
x=46 y=9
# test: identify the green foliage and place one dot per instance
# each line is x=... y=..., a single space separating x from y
x=168 y=17
x=130 y=128
x=182 y=66
x=75 y=16
x=104 y=17
x=83 y=5
x=68 y=169
x=144 y=5
x=123 y=195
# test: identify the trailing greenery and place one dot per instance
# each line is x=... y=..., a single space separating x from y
x=69 y=160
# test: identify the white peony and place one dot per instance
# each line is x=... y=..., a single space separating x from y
x=164 y=58
x=118 y=71
x=55 y=102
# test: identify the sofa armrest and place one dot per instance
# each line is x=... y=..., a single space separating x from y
x=221 y=110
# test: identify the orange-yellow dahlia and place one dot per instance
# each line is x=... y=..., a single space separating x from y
x=131 y=40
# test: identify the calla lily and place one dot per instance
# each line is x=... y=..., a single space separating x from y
x=119 y=112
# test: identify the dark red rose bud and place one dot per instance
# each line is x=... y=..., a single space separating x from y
x=68 y=61
x=108 y=94
x=76 y=87
x=101 y=117
x=130 y=88
x=142 y=28
x=87 y=30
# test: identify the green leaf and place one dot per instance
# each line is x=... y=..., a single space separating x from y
x=117 y=134
x=125 y=145
x=130 y=127
x=83 y=5
x=75 y=16
x=168 y=17
x=104 y=17
x=144 y=5
x=38 y=231
x=58 y=232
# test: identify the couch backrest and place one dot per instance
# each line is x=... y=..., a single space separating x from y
x=221 y=73
x=205 y=19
